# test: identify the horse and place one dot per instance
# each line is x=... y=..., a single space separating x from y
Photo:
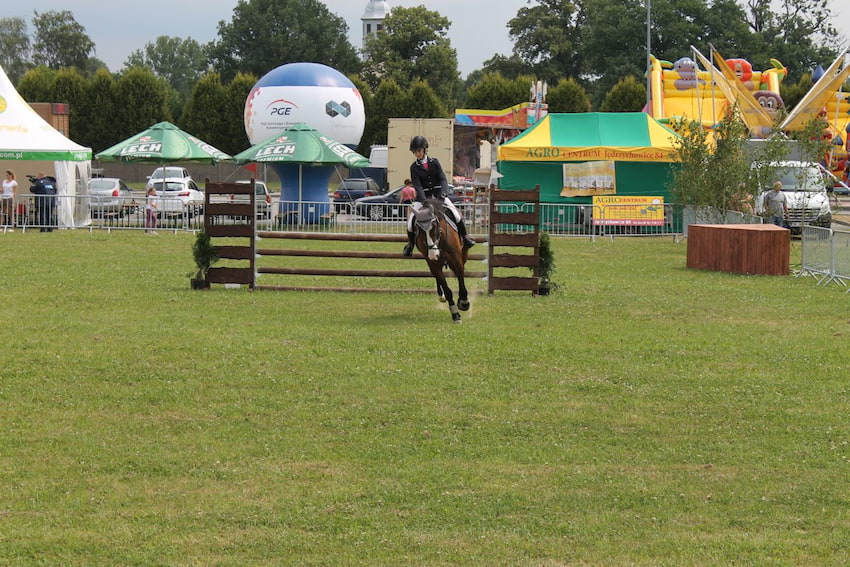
x=438 y=241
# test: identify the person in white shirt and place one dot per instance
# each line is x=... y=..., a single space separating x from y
x=7 y=199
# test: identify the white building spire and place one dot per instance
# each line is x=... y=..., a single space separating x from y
x=373 y=17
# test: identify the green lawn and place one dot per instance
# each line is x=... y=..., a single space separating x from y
x=644 y=414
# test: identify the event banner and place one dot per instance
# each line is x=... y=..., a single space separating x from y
x=589 y=178
x=628 y=210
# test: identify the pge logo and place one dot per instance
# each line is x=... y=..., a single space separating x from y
x=282 y=107
x=334 y=109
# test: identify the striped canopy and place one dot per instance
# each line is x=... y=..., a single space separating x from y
x=614 y=136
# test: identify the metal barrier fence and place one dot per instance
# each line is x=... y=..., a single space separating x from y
x=128 y=213
x=825 y=255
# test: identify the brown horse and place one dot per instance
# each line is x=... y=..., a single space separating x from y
x=438 y=241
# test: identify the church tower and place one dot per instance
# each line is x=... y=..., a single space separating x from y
x=373 y=17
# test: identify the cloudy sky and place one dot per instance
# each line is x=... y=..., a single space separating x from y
x=478 y=29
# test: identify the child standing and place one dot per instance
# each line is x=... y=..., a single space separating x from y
x=151 y=205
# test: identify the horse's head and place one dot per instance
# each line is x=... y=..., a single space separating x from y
x=427 y=221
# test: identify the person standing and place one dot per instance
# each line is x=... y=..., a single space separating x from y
x=44 y=189
x=429 y=181
x=408 y=193
x=776 y=206
x=7 y=204
x=151 y=206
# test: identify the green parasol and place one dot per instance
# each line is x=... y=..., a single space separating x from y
x=163 y=142
x=302 y=144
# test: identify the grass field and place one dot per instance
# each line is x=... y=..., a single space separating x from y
x=644 y=414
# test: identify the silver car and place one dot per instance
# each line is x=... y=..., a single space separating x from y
x=110 y=196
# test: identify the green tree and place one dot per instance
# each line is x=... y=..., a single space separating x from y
x=548 y=37
x=179 y=61
x=264 y=34
x=60 y=41
x=203 y=115
x=35 y=85
x=98 y=111
x=389 y=101
x=568 y=96
x=412 y=46
x=70 y=87
x=367 y=139
x=423 y=102
x=629 y=95
x=143 y=100
x=236 y=93
x=14 y=48
x=509 y=67
x=495 y=92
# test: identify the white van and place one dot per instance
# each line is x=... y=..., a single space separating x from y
x=805 y=189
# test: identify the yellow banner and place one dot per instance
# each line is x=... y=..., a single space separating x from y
x=589 y=178
x=628 y=210
x=555 y=153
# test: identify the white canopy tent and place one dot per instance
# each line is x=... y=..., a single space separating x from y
x=26 y=137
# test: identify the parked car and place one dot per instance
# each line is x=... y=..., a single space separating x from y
x=263 y=199
x=169 y=172
x=387 y=205
x=353 y=188
x=179 y=197
x=804 y=186
x=110 y=196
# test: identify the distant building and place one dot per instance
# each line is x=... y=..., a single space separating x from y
x=373 y=17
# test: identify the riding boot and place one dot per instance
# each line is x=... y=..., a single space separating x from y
x=461 y=231
x=408 y=248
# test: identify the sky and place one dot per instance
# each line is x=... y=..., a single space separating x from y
x=478 y=27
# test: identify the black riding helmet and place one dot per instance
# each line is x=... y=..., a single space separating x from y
x=418 y=143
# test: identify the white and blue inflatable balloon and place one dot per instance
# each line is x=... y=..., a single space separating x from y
x=317 y=95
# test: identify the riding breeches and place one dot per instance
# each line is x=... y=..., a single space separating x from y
x=416 y=205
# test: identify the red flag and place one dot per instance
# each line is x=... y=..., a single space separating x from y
x=252 y=167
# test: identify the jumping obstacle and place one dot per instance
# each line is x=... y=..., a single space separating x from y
x=346 y=272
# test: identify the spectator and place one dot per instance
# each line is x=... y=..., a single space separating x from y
x=776 y=206
x=408 y=193
x=44 y=189
x=10 y=190
x=151 y=206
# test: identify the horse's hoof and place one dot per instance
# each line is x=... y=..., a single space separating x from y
x=442 y=299
x=456 y=321
x=463 y=304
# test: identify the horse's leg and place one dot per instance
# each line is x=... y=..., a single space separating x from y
x=437 y=272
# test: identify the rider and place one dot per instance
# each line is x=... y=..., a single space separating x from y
x=429 y=180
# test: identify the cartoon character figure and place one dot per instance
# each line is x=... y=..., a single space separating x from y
x=743 y=69
x=687 y=70
x=770 y=101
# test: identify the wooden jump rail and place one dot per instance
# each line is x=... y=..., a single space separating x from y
x=244 y=228
x=309 y=236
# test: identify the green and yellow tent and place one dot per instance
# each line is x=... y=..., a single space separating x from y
x=639 y=147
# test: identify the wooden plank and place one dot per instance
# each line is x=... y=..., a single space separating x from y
x=514 y=261
x=231 y=209
x=231 y=275
x=229 y=189
x=352 y=254
x=232 y=230
x=504 y=195
x=513 y=283
x=235 y=252
x=531 y=219
x=504 y=239
x=360 y=273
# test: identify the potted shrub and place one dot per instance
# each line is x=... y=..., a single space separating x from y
x=205 y=256
x=546 y=264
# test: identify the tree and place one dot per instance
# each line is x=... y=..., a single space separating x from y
x=14 y=48
x=236 y=93
x=568 y=96
x=98 y=110
x=412 y=46
x=35 y=85
x=60 y=41
x=203 y=114
x=70 y=87
x=264 y=34
x=548 y=37
x=495 y=92
x=423 y=102
x=389 y=101
x=178 y=61
x=509 y=67
x=143 y=99
x=628 y=95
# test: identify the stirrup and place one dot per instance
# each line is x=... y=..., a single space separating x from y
x=408 y=249
x=468 y=242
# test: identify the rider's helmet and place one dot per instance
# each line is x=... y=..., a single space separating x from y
x=418 y=143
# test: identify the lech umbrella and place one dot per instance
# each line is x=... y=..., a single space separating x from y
x=163 y=142
x=304 y=145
